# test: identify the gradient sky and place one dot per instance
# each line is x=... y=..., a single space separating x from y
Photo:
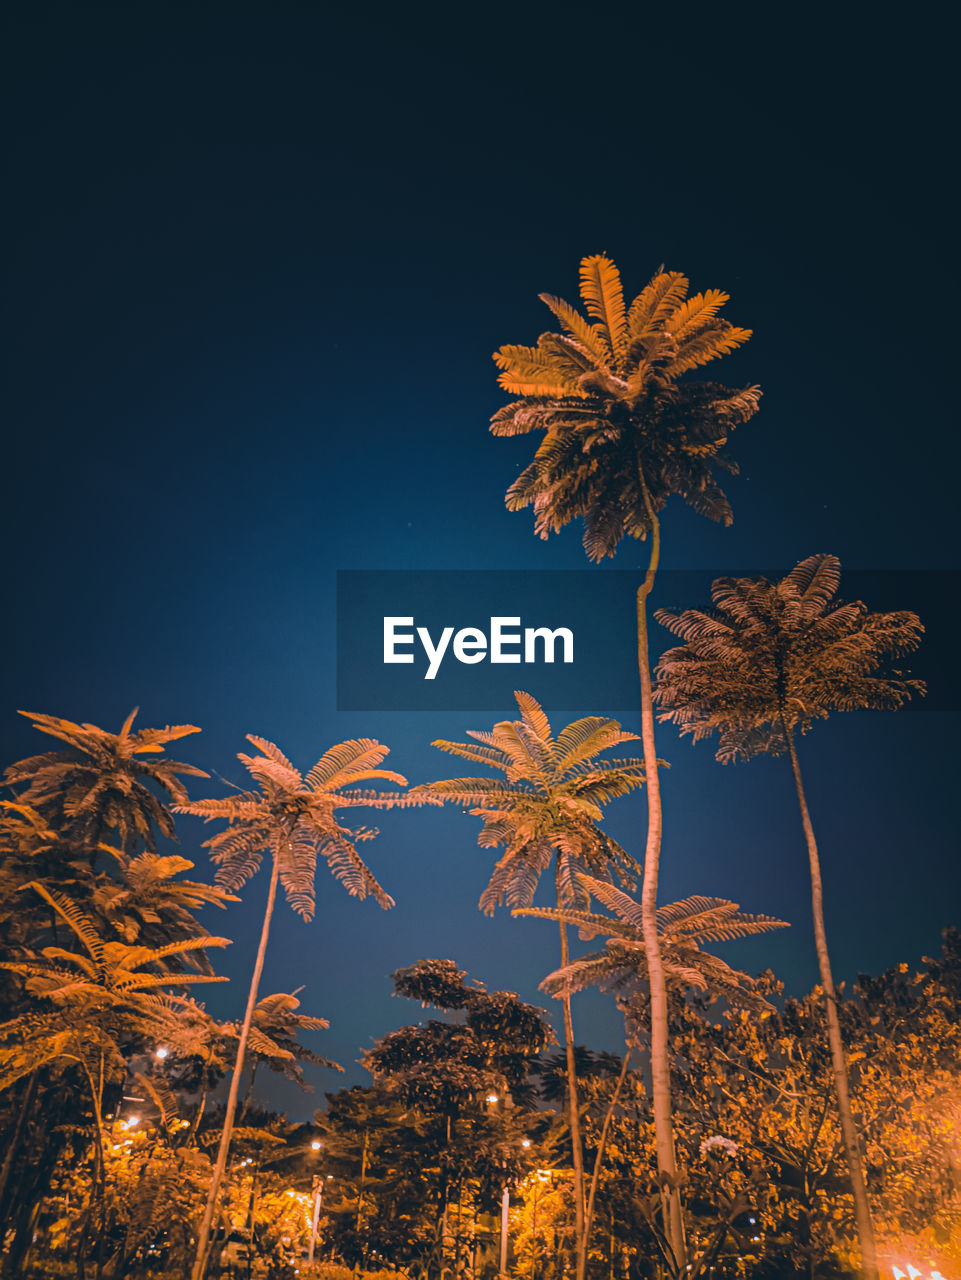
x=257 y=260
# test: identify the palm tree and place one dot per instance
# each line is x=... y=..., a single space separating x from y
x=291 y=819
x=622 y=968
x=760 y=667
x=101 y=784
x=89 y=993
x=91 y=1002
x=149 y=905
x=547 y=811
x=273 y=1039
x=623 y=433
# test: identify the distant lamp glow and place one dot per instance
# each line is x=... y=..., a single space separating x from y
x=132 y=1120
x=162 y=1052
x=492 y=1097
x=316 y=1145
x=898 y=1274
x=913 y=1272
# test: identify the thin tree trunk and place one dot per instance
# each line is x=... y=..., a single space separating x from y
x=849 y=1135
x=673 y=1221
x=13 y=1148
x=599 y=1156
x=220 y=1168
x=362 y=1255
x=100 y=1174
x=195 y=1123
x=577 y=1151
x=248 y=1092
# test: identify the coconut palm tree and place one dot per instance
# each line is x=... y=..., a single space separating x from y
x=623 y=432
x=87 y=1005
x=103 y=785
x=291 y=820
x=88 y=993
x=622 y=968
x=760 y=667
x=546 y=812
x=148 y=904
x=273 y=1040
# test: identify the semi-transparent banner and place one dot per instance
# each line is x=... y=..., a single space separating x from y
x=449 y=640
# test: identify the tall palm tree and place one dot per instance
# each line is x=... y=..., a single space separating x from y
x=290 y=819
x=622 y=968
x=623 y=433
x=104 y=784
x=546 y=811
x=761 y=666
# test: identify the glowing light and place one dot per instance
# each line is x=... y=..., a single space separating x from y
x=525 y=1142
x=162 y=1052
x=913 y=1272
x=315 y=1145
x=492 y=1097
x=131 y=1121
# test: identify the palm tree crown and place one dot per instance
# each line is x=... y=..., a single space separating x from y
x=772 y=657
x=292 y=818
x=683 y=928
x=102 y=782
x=622 y=433
x=273 y=1035
x=103 y=988
x=550 y=801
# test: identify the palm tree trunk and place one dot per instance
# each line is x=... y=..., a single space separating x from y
x=220 y=1168
x=577 y=1151
x=602 y=1143
x=248 y=1092
x=673 y=1221
x=13 y=1147
x=849 y=1135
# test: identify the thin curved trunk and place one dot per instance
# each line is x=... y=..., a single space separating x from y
x=201 y=1105
x=602 y=1144
x=577 y=1151
x=13 y=1147
x=849 y=1135
x=248 y=1092
x=673 y=1221
x=220 y=1168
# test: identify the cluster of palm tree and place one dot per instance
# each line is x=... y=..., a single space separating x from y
x=93 y=1005
x=101 y=961
x=623 y=433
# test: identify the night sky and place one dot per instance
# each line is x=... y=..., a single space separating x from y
x=257 y=260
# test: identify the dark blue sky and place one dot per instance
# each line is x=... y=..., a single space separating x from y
x=257 y=260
